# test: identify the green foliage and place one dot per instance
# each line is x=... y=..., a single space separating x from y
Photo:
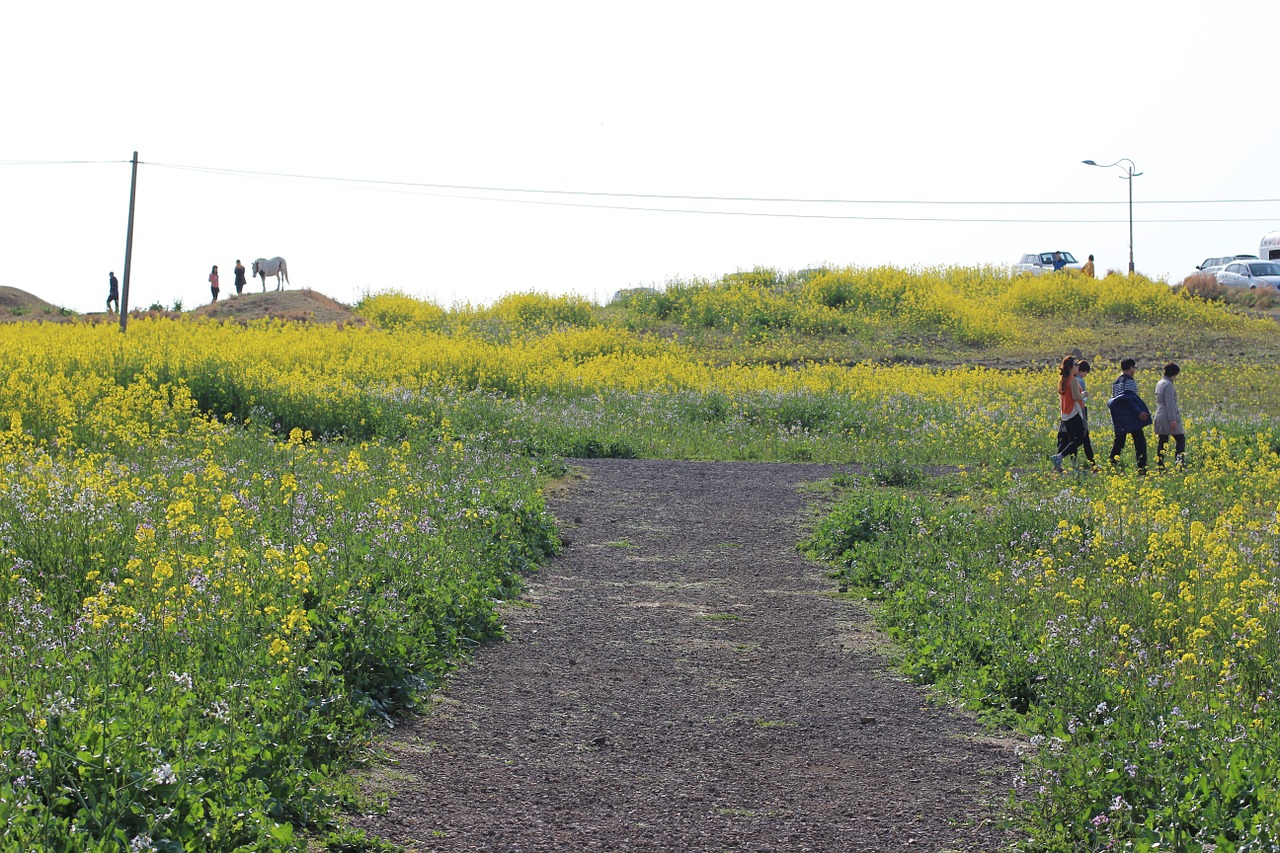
x=896 y=472
x=382 y=568
x=428 y=437
x=1035 y=604
x=357 y=841
x=862 y=537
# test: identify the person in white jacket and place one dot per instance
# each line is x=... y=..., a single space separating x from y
x=1168 y=421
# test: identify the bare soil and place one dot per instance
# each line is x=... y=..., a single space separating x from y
x=18 y=304
x=680 y=678
x=303 y=305
x=295 y=305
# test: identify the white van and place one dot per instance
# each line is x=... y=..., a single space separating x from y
x=1269 y=249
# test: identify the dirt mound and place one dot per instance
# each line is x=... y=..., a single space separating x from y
x=17 y=304
x=302 y=305
x=299 y=305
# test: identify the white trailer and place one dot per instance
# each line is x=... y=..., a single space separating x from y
x=1269 y=248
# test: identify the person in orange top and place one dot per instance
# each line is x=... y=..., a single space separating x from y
x=1082 y=370
x=1070 y=410
x=213 y=283
x=1087 y=269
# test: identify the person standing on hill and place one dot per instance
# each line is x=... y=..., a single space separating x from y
x=213 y=282
x=1169 y=418
x=1070 y=410
x=240 y=279
x=1129 y=415
x=1087 y=269
x=113 y=294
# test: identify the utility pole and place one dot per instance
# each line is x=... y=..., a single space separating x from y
x=128 y=247
x=1130 y=172
x=1131 y=219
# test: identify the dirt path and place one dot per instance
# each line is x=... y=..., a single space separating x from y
x=684 y=682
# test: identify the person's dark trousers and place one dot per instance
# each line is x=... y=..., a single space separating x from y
x=1139 y=448
x=1074 y=429
x=1179 y=448
x=1088 y=441
x=1064 y=439
x=1088 y=446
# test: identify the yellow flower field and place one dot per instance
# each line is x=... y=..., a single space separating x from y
x=251 y=541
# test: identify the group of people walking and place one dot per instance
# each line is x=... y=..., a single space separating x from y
x=240 y=280
x=1130 y=416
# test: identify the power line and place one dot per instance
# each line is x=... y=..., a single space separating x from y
x=673 y=197
x=57 y=162
x=784 y=215
x=431 y=189
x=829 y=216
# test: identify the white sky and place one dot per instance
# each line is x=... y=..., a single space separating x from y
x=921 y=101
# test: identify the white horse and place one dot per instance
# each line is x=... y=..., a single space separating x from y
x=276 y=267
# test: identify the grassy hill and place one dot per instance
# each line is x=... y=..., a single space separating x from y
x=935 y=316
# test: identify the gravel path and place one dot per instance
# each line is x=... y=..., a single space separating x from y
x=685 y=681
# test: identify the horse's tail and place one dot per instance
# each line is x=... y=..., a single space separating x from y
x=284 y=269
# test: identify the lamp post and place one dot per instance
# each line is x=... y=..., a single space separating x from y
x=1129 y=175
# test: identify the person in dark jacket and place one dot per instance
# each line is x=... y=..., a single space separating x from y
x=113 y=294
x=1129 y=415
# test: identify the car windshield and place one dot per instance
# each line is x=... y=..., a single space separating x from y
x=1264 y=268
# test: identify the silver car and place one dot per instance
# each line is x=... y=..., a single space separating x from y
x=1211 y=266
x=1037 y=263
x=1250 y=274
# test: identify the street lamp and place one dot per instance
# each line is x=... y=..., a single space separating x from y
x=1129 y=175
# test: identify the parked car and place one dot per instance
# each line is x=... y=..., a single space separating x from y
x=1250 y=274
x=1037 y=263
x=1211 y=266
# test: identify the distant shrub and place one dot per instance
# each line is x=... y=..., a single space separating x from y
x=1266 y=300
x=1262 y=299
x=394 y=309
x=1203 y=286
x=829 y=301
x=951 y=301
x=542 y=311
x=645 y=303
x=1117 y=297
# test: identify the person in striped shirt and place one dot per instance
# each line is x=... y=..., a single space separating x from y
x=1129 y=415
